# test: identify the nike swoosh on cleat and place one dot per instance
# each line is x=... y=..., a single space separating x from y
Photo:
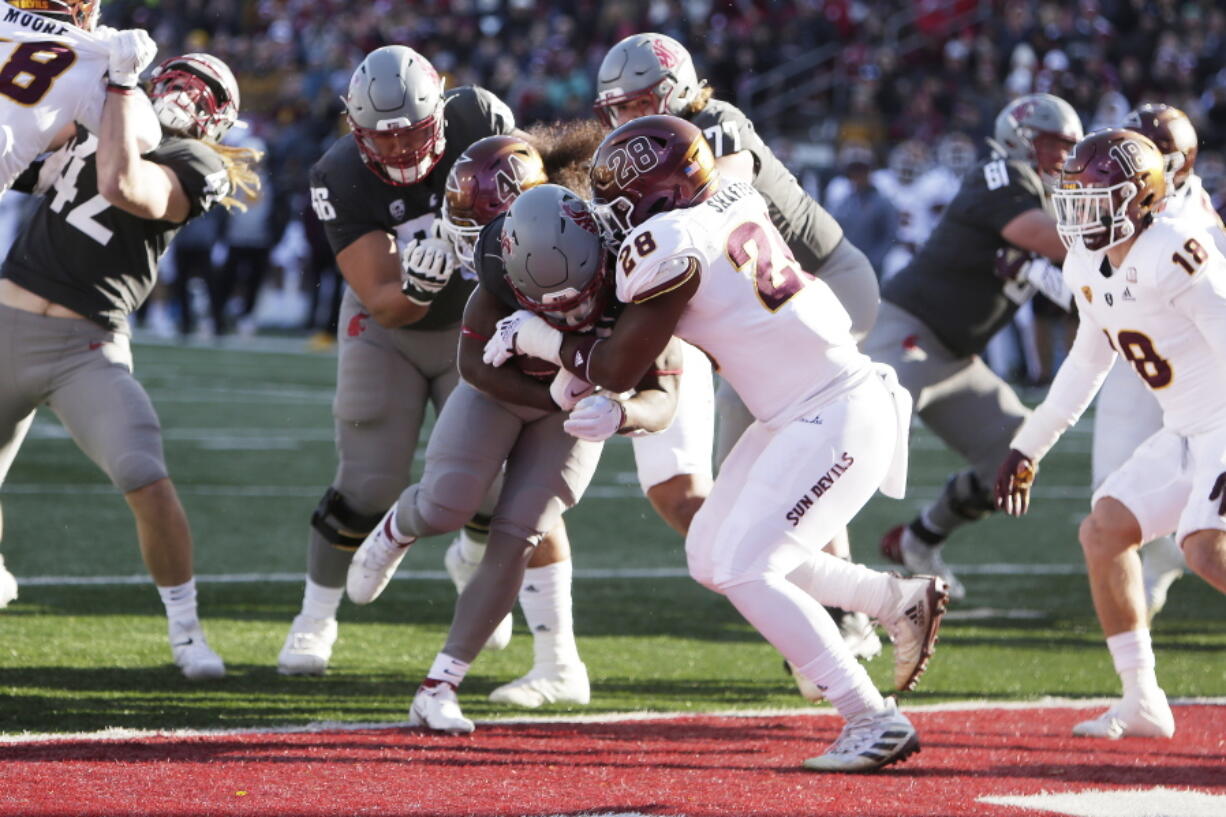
x=186 y=643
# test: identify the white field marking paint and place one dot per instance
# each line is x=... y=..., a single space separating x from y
x=118 y=733
x=971 y=614
x=1155 y=802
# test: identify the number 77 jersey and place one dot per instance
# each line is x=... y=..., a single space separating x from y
x=776 y=333
x=45 y=84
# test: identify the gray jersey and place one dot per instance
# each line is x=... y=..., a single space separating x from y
x=811 y=232
x=951 y=284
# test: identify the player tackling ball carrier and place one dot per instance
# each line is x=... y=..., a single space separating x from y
x=703 y=262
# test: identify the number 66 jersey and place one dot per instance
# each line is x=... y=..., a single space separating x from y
x=777 y=334
x=1164 y=312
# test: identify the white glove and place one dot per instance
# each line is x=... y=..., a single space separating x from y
x=595 y=418
x=523 y=333
x=131 y=52
x=568 y=389
x=426 y=265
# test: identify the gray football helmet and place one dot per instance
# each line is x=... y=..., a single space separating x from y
x=395 y=109
x=645 y=74
x=555 y=261
x=1022 y=126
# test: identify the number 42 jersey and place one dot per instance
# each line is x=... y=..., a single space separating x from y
x=775 y=332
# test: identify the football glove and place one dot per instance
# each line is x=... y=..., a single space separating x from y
x=568 y=389
x=426 y=265
x=1010 y=263
x=595 y=418
x=523 y=333
x=1013 y=483
x=131 y=51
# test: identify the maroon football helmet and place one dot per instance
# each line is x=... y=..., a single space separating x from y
x=1170 y=129
x=483 y=182
x=647 y=166
x=1109 y=189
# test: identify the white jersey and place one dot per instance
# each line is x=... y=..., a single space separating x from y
x=1192 y=206
x=53 y=74
x=913 y=203
x=1164 y=312
x=775 y=332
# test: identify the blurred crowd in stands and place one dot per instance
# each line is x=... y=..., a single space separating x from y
x=891 y=73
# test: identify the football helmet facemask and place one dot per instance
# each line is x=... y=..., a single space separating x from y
x=483 y=183
x=648 y=166
x=395 y=110
x=81 y=13
x=195 y=95
x=1111 y=186
x=555 y=261
x=644 y=74
x=1170 y=129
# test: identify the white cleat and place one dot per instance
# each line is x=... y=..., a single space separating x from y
x=461 y=572
x=1162 y=563
x=869 y=742
x=546 y=685
x=436 y=708
x=308 y=647
x=8 y=585
x=192 y=653
x=912 y=622
x=375 y=561
x=860 y=636
x=1148 y=718
x=903 y=547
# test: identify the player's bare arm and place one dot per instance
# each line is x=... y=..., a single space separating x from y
x=654 y=402
x=739 y=166
x=1035 y=230
x=371 y=265
x=505 y=383
x=143 y=188
x=620 y=361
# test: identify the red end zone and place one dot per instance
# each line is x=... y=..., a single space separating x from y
x=671 y=766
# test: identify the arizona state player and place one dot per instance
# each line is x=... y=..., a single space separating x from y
x=377 y=191
x=85 y=262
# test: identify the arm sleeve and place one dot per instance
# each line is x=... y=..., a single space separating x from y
x=200 y=170
x=1073 y=388
x=641 y=278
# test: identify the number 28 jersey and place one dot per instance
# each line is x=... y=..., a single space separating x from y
x=777 y=334
x=44 y=85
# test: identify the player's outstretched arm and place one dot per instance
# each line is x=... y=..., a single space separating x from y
x=1035 y=230
x=144 y=189
x=371 y=265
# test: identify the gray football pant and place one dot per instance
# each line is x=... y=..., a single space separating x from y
x=850 y=276
x=960 y=399
x=546 y=472
x=384 y=380
x=84 y=373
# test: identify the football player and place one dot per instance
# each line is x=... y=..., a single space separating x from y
x=376 y=190
x=939 y=313
x=1127 y=414
x=86 y=261
x=654 y=74
x=704 y=262
x=1152 y=290
x=56 y=63
x=674 y=466
x=547 y=255
x=899 y=181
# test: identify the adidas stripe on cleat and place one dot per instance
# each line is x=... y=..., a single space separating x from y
x=919 y=603
x=869 y=742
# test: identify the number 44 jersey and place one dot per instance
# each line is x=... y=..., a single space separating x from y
x=1164 y=312
x=775 y=332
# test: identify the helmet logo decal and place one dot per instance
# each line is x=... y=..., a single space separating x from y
x=510 y=184
x=580 y=215
x=1131 y=156
x=630 y=161
x=506 y=242
x=664 y=54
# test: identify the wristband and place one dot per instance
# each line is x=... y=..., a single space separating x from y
x=123 y=90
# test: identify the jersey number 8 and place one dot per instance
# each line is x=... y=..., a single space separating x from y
x=32 y=70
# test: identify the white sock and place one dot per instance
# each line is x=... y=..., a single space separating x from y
x=448 y=669
x=1132 y=653
x=838 y=583
x=321 y=602
x=180 y=600
x=546 y=601
x=398 y=536
x=471 y=550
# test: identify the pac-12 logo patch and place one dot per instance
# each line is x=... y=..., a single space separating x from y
x=396 y=210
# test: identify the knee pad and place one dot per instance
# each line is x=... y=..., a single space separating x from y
x=135 y=470
x=968 y=497
x=339 y=524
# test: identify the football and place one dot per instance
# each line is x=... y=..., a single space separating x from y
x=536 y=367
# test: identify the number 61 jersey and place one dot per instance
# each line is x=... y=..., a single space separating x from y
x=777 y=334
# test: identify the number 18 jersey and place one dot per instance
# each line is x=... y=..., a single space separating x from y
x=44 y=85
x=777 y=334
